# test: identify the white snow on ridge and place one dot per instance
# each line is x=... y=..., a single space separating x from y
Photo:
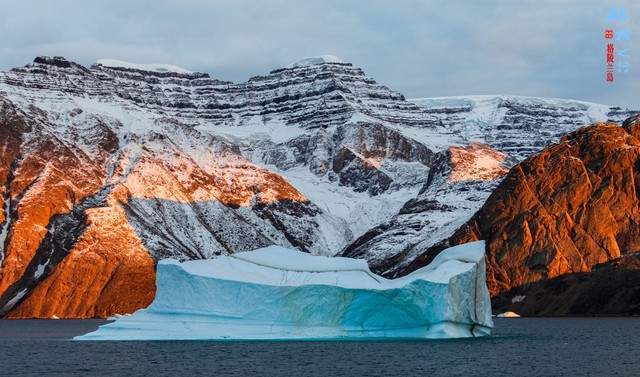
x=486 y=108
x=254 y=129
x=113 y=63
x=313 y=60
x=531 y=121
x=447 y=101
x=277 y=293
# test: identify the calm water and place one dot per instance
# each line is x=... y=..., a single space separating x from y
x=525 y=346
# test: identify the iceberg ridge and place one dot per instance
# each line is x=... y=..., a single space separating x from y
x=278 y=293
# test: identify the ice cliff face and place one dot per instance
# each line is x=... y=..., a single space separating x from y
x=105 y=170
x=277 y=293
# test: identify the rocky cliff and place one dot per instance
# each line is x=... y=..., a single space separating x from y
x=572 y=209
x=608 y=289
x=499 y=131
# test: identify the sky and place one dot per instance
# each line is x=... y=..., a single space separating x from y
x=547 y=48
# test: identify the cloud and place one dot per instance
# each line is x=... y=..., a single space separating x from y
x=420 y=48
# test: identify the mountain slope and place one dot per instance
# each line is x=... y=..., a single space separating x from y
x=488 y=135
x=564 y=210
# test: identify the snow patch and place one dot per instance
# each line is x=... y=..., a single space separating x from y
x=113 y=63
x=254 y=129
x=4 y=230
x=314 y=60
x=40 y=270
x=14 y=300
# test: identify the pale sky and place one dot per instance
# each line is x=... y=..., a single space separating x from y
x=549 y=48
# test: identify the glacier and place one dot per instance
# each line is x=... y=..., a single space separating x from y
x=279 y=293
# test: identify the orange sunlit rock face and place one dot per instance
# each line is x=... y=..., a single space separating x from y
x=563 y=210
x=108 y=270
x=237 y=182
x=44 y=186
x=476 y=162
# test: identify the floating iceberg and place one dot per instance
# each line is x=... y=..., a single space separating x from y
x=277 y=293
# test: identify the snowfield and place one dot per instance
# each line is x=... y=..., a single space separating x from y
x=278 y=293
x=113 y=63
x=313 y=60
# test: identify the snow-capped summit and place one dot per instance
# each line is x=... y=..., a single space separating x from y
x=160 y=68
x=314 y=60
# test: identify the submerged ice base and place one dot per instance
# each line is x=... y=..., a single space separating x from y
x=277 y=293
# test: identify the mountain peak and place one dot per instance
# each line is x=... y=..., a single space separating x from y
x=57 y=61
x=314 y=60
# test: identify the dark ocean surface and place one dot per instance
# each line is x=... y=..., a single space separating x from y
x=519 y=347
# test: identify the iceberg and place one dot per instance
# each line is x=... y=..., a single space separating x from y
x=278 y=293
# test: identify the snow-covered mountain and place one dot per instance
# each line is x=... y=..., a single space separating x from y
x=106 y=169
x=487 y=134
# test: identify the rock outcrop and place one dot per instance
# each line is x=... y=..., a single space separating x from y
x=608 y=289
x=566 y=210
x=498 y=132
